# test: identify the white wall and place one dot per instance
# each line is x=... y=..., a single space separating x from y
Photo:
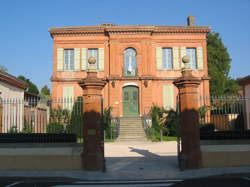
x=13 y=106
x=247 y=95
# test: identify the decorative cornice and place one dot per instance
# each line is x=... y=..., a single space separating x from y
x=129 y=29
x=119 y=78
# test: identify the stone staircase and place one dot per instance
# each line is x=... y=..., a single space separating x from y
x=131 y=130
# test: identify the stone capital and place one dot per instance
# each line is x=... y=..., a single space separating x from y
x=92 y=85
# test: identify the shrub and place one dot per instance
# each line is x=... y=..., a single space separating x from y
x=75 y=125
x=107 y=122
x=208 y=127
x=55 y=128
x=13 y=130
x=173 y=123
x=27 y=128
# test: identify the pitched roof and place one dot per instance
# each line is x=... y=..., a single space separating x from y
x=245 y=80
x=12 y=80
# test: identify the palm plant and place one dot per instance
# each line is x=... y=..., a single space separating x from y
x=158 y=115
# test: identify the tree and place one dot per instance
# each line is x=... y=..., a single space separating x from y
x=45 y=91
x=219 y=66
x=32 y=88
x=3 y=68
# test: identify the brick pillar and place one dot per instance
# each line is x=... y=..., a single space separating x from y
x=93 y=146
x=190 y=134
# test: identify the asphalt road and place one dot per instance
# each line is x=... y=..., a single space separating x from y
x=242 y=180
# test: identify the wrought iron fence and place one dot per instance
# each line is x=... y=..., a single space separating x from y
x=62 y=116
x=223 y=112
x=223 y=116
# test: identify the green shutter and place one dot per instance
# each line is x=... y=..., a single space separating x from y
x=176 y=63
x=68 y=97
x=158 y=58
x=84 y=58
x=59 y=59
x=200 y=58
x=77 y=58
x=168 y=96
x=101 y=59
x=183 y=53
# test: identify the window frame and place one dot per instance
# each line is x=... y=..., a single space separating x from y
x=165 y=63
x=196 y=59
x=73 y=57
x=124 y=63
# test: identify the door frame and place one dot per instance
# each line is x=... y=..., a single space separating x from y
x=138 y=103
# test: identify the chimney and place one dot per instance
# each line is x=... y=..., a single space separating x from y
x=191 y=20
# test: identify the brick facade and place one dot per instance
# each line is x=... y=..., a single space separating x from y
x=145 y=40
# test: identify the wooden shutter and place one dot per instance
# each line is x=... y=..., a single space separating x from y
x=59 y=59
x=101 y=59
x=68 y=97
x=77 y=58
x=168 y=96
x=199 y=58
x=158 y=58
x=176 y=64
x=183 y=53
x=84 y=58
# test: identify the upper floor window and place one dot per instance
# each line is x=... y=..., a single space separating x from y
x=93 y=52
x=191 y=52
x=130 y=66
x=68 y=59
x=167 y=58
x=77 y=59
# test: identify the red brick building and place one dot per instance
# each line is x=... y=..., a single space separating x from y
x=139 y=62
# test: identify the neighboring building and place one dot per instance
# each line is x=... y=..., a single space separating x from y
x=139 y=62
x=12 y=96
x=245 y=83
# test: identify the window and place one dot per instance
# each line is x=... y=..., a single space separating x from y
x=68 y=59
x=167 y=58
x=191 y=52
x=130 y=66
x=93 y=53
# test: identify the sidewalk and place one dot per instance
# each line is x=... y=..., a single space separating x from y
x=135 y=160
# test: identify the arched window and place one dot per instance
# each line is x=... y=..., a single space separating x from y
x=130 y=66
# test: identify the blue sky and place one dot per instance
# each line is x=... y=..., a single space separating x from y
x=26 y=46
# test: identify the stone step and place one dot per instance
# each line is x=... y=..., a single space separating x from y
x=131 y=129
x=128 y=139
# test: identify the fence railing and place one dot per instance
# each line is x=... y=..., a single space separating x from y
x=225 y=113
x=42 y=116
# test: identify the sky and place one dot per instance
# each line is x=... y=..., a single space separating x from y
x=26 y=45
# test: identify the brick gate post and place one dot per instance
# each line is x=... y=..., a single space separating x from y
x=189 y=117
x=93 y=145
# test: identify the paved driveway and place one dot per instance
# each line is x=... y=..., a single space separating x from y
x=141 y=159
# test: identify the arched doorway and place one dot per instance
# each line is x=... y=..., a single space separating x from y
x=130 y=99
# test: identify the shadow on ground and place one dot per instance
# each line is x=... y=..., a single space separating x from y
x=147 y=164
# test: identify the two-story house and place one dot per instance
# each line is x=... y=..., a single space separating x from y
x=139 y=62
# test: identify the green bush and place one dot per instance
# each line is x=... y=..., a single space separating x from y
x=55 y=128
x=27 y=128
x=173 y=123
x=13 y=130
x=109 y=131
x=75 y=125
x=208 y=127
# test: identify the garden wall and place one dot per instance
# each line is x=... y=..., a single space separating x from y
x=23 y=156
x=225 y=153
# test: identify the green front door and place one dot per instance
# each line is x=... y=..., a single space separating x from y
x=130 y=101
